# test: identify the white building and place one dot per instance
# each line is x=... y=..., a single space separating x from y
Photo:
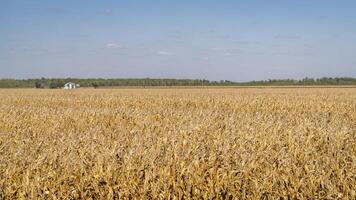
x=71 y=85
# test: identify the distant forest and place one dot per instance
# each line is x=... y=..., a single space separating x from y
x=59 y=83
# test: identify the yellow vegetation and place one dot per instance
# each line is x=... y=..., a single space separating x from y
x=295 y=143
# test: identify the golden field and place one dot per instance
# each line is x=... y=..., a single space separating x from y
x=207 y=143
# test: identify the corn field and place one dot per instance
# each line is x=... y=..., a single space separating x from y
x=207 y=143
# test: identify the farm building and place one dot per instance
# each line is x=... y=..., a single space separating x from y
x=71 y=85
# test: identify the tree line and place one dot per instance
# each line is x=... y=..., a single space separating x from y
x=100 y=82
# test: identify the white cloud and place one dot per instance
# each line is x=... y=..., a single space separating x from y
x=227 y=54
x=216 y=49
x=112 y=46
x=108 y=11
x=164 y=53
x=25 y=48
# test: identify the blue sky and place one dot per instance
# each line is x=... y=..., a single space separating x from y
x=222 y=39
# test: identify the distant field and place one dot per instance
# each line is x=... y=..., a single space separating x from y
x=254 y=143
x=224 y=87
